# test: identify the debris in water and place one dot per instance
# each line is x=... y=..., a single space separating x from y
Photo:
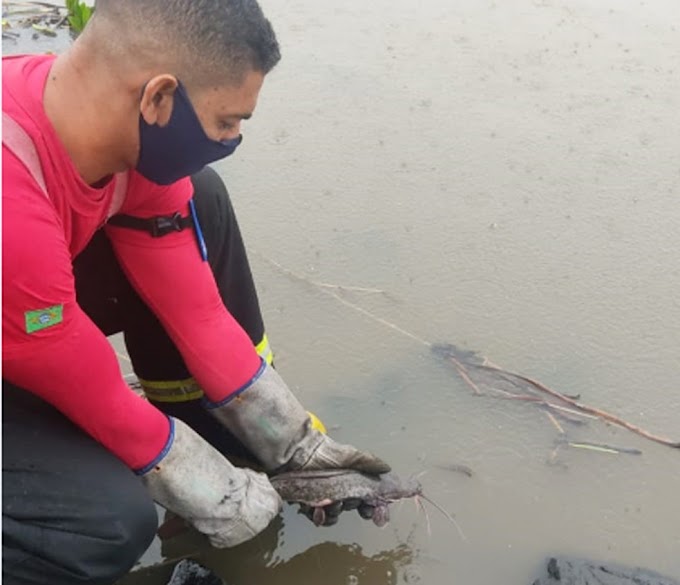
x=457 y=468
x=601 y=447
x=570 y=571
x=188 y=572
x=48 y=32
x=45 y=18
x=527 y=389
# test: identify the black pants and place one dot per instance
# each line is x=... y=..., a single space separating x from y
x=72 y=512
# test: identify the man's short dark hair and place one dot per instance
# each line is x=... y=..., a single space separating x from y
x=207 y=40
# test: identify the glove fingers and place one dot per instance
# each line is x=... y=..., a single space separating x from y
x=366 y=511
x=351 y=503
x=331 y=454
x=329 y=515
x=331 y=520
x=371 y=464
x=322 y=516
x=381 y=515
x=334 y=509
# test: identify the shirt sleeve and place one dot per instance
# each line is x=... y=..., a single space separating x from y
x=50 y=347
x=179 y=287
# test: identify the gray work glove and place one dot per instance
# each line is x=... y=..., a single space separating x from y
x=228 y=504
x=269 y=420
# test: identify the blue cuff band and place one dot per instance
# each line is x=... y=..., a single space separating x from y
x=210 y=405
x=163 y=453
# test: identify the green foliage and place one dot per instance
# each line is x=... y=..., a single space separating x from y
x=78 y=15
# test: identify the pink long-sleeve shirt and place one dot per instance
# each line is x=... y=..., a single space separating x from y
x=50 y=346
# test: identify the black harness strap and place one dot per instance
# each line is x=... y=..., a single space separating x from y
x=158 y=226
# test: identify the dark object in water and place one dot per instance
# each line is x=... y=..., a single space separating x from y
x=568 y=571
x=448 y=351
x=457 y=468
x=321 y=488
x=470 y=365
x=188 y=572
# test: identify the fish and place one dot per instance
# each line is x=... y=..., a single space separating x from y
x=317 y=489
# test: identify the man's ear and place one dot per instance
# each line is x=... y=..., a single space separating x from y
x=157 y=99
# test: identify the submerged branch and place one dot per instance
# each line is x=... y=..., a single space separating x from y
x=597 y=412
x=465 y=360
x=556 y=424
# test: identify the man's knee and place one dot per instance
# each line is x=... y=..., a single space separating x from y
x=102 y=551
x=127 y=540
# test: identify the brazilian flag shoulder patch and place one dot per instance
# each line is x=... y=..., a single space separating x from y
x=43 y=318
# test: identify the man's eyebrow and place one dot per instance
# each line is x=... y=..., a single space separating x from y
x=240 y=116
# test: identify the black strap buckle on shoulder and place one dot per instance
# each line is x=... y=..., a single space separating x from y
x=158 y=226
x=165 y=224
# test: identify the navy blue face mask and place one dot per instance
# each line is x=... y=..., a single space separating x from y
x=181 y=147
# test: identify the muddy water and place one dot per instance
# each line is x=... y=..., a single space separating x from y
x=508 y=173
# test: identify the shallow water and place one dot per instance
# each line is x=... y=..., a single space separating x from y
x=509 y=174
